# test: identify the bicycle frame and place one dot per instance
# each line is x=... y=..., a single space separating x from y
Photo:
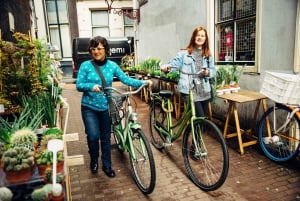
x=295 y=111
x=189 y=116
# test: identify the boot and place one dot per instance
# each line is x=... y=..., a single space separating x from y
x=94 y=165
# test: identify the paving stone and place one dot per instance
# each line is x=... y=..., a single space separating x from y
x=251 y=176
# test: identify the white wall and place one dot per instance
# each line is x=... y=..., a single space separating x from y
x=166 y=26
x=84 y=17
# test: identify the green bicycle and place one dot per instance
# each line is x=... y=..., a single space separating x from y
x=204 y=149
x=129 y=137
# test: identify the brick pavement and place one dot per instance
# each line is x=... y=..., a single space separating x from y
x=251 y=176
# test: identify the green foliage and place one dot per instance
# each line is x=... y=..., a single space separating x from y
x=27 y=118
x=25 y=137
x=228 y=75
x=56 y=131
x=149 y=66
x=24 y=68
x=46 y=157
x=39 y=194
x=17 y=159
x=174 y=76
x=48 y=176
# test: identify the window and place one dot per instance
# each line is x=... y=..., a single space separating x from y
x=235 y=31
x=100 y=23
x=128 y=25
x=59 y=28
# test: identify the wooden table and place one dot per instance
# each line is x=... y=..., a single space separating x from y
x=243 y=96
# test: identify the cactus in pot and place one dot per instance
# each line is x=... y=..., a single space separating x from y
x=39 y=194
x=5 y=194
x=57 y=190
x=17 y=164
x=49 y=134
x=49 y=174
x=17 y=159
x=24 y=137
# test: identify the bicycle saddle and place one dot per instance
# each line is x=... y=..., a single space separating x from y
x=166 y=93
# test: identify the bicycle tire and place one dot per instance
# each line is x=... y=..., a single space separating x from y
x=209 y=169
x=143 y=168
x=157 y=118
x=117 y=140
x=286 y=146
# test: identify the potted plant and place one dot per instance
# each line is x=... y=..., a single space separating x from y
x=49 y=175
x=25 y=119
x=236 y=72
x=5 y=194
x=57 y=192
x=49 y=134
x=39 y=194
x=24 y=137
x=18 y=164
x=44 y=160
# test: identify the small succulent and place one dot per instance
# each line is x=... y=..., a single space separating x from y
x=48 y=176
x=39 y=194
x=5 y=194
x=17 y=159
x=2 y=148
x=57 y=190
x=46 y=157
x=49 y=134
x=24 y=137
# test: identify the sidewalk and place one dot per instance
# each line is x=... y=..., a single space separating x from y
x=251 y=176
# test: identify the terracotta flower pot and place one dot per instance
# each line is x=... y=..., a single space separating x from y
x=18 y=177
x=59 y=198
x=59 y=168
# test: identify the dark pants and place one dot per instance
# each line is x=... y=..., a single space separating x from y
x=201 y=107
x=98 y=127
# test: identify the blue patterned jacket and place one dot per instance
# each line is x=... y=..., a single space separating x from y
x=88 y=77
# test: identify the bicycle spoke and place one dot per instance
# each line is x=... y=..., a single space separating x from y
x=206 y=161
x=142 y=165
x=281 y=142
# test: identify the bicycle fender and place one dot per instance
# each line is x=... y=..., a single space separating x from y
x=135 y=126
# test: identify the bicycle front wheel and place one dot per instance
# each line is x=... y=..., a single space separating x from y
x=142 y=162
x=206 y=158
x=279 y=145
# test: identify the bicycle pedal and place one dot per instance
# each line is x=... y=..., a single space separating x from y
x=167 y=144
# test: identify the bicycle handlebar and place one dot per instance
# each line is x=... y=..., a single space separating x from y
x=126 y=92
x=187 y=73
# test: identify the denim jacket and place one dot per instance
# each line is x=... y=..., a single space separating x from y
x=186 y=63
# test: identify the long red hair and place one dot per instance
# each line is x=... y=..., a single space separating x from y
x=205 y=46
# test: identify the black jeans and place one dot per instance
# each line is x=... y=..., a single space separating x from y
x=201 y=107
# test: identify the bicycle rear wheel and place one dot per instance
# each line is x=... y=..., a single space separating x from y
x=208 y=168
x=142 y=164
x=283 y=145
x=157 y=120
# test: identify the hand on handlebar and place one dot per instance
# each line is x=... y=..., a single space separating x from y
x=165 y=68
x=150 y=83
x=97 y=88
